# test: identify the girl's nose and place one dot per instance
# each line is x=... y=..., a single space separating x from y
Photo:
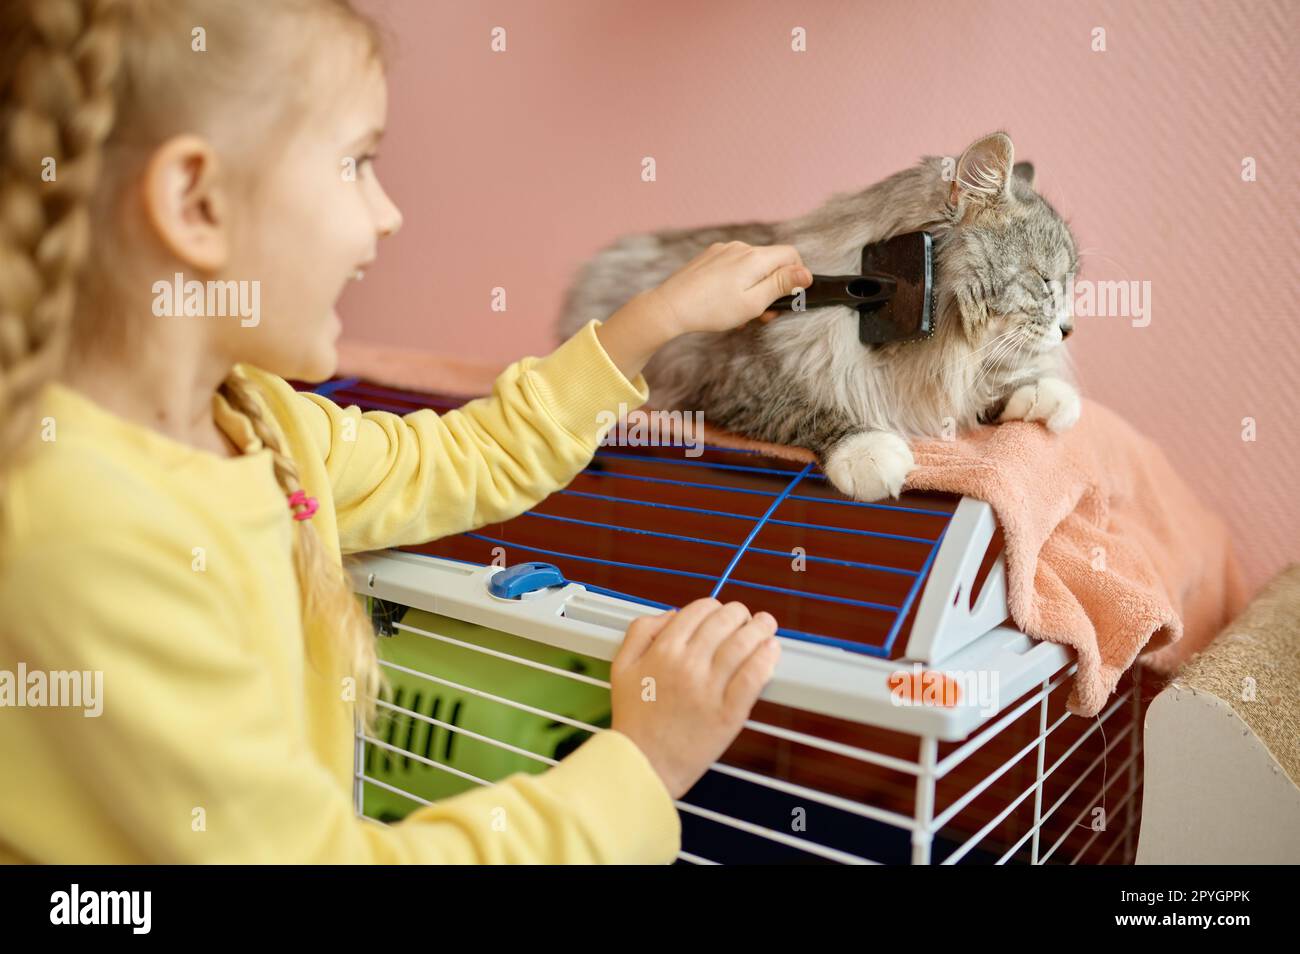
x=391 y=222
x=388 y=217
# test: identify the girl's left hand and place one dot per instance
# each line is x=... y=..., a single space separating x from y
x=727 y=285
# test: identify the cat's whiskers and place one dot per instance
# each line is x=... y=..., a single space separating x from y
x=1015 y=340
x=1010 y=344
x=975 y=357
x=983 y=359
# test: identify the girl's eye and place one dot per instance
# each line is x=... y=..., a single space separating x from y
x=368 y=158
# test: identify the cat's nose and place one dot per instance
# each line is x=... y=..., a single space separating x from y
x=1065 y=331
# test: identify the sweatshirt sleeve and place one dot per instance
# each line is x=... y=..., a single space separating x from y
x=194 y=760
x=406 y=479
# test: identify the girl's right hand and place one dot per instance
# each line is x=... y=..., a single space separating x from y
x=684 y=682
x=727 y=285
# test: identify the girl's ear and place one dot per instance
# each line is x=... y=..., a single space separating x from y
x=983 y=171
x=185 y=204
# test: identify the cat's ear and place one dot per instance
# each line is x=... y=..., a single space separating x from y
x=983 y=171
x=1025 y=172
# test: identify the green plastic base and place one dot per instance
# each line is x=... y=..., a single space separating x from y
x=427 y=750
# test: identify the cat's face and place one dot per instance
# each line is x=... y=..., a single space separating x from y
x=1009 y=260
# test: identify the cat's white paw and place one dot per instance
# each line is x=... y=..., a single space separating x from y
x=1050 y=400
x=869 y=466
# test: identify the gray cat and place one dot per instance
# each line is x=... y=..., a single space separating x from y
x=1003 y=259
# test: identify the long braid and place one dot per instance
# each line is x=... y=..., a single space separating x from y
x=326 y=595
x=60 y=61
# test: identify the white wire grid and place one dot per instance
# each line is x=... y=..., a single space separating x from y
x=1119 y=722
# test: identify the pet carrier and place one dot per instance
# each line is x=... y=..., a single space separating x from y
x=907 y=720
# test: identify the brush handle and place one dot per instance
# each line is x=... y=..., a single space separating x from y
x=854 y=291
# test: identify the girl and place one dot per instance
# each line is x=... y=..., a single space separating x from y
x=174 y=513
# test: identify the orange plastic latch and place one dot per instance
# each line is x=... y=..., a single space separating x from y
x=924 y=687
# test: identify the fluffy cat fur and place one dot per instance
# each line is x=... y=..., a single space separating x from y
x=1003 y=259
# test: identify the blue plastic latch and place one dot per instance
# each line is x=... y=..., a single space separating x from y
x=513 y=582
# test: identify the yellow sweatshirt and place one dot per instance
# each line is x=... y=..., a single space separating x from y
x=167 y=571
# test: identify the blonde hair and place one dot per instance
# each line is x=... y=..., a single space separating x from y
x=85 y=83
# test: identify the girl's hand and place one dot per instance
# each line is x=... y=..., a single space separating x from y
x=683 y=684
x=729 y=284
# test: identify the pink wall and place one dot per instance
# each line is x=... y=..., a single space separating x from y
x=512 y=168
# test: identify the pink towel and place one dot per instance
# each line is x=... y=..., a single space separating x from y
x=1107 y=549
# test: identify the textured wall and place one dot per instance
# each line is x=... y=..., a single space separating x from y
x=512 y=168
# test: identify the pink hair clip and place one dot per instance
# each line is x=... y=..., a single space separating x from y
x=298 y=499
